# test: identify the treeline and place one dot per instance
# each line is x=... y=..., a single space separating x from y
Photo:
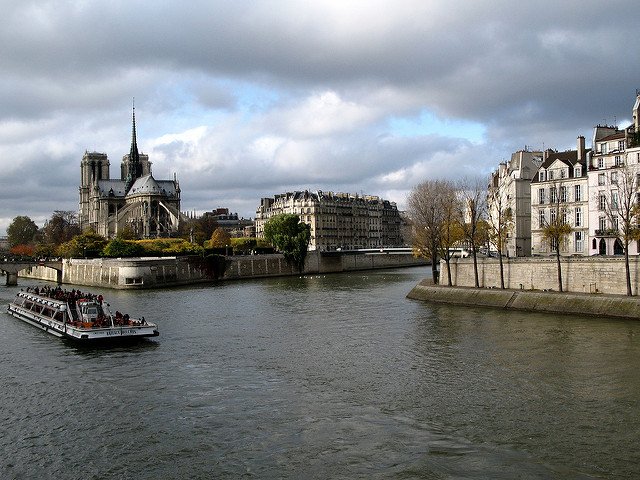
x=61 y=237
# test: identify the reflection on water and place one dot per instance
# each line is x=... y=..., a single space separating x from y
x=336 y=376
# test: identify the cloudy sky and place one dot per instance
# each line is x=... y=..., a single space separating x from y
x=246 y=99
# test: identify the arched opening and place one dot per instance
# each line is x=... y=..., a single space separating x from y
x=618 y=249
x=603 y=247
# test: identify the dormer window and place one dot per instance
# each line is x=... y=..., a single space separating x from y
x=541 y=175
x=577 y=171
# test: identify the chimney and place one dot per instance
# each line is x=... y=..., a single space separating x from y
x=580 y=148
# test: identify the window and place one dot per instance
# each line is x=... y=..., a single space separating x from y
x=542 y=221
x=614 y=178
x=614 y=200
x=563 y=173
x=579 y=245
x=615 y=224
x=621 y=145
x=578 y=193
x=553 y=195
x=603 y=148
x=577 y=171
x=563 y=194
x=617 y=160
x=602 y=201
x=602 y=223
x=578 y=216
x=600 y=162
x=541 y=175
x=601 y=179
x=565 y=217
x=552 y=216
x=541 y=196
x=550 y=174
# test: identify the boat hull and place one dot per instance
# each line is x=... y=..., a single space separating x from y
x=80 y=334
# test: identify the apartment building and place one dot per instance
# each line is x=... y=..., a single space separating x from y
x=560 y=187
x=511 y=183
x=337 y=220
x=613 y=184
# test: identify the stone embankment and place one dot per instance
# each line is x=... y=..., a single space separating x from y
x=533 y=301
x=136 y=273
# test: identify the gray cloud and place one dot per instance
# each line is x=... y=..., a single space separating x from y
x=247 y=99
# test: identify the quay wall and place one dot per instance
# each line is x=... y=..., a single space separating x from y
x=579 y=274
x=618 y=306
x=135 y=273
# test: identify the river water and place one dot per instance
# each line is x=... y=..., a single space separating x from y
x=336 y=376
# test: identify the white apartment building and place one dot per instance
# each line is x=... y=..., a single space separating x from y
x=614 y=172
x=559 y=187
x=512 y=181
x=337 y=220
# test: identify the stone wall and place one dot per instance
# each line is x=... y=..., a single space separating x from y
x=579 y=274
x=172 y=271
x=549 y=302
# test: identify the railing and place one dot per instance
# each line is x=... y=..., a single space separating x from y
x=607 y=232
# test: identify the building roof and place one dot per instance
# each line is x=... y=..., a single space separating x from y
x=569 y=158
x=114 y=188
x=148 y=185
x=613 y=136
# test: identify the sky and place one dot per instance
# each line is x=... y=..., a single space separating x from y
x=248 y=99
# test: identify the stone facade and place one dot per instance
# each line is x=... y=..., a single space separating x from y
x=511 y=183
x=337 y=220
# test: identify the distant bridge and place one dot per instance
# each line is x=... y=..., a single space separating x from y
x=11 y=268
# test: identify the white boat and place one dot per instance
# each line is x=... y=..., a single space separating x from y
x=86 y=319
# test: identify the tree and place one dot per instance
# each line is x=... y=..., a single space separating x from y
x=22 y=250
x=87 y=245
x=219 y=239
x=22 y=230
x=500 y=216
x=471 y=212
x=432 y=208
x=122 y=248
x=198 y=230
x=556 y=229
x=61 y=227
x=290 y=236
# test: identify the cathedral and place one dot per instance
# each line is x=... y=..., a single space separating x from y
x=136 y=203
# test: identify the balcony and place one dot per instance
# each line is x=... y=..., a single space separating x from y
x=607 y=232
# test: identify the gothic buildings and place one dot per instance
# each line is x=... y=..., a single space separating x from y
x=135 y=203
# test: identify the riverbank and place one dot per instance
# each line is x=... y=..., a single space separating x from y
x=140 y=273
x=617 y=306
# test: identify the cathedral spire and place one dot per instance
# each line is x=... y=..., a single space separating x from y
x=134 y=156
x=134 y=167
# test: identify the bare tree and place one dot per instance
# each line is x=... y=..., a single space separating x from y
x=556 y=229
x=432 y=209
x=471 y=211
x=500 y=216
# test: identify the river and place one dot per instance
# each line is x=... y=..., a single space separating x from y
x=322 y=377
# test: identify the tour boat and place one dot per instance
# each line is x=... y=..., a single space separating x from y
x=84 y=318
